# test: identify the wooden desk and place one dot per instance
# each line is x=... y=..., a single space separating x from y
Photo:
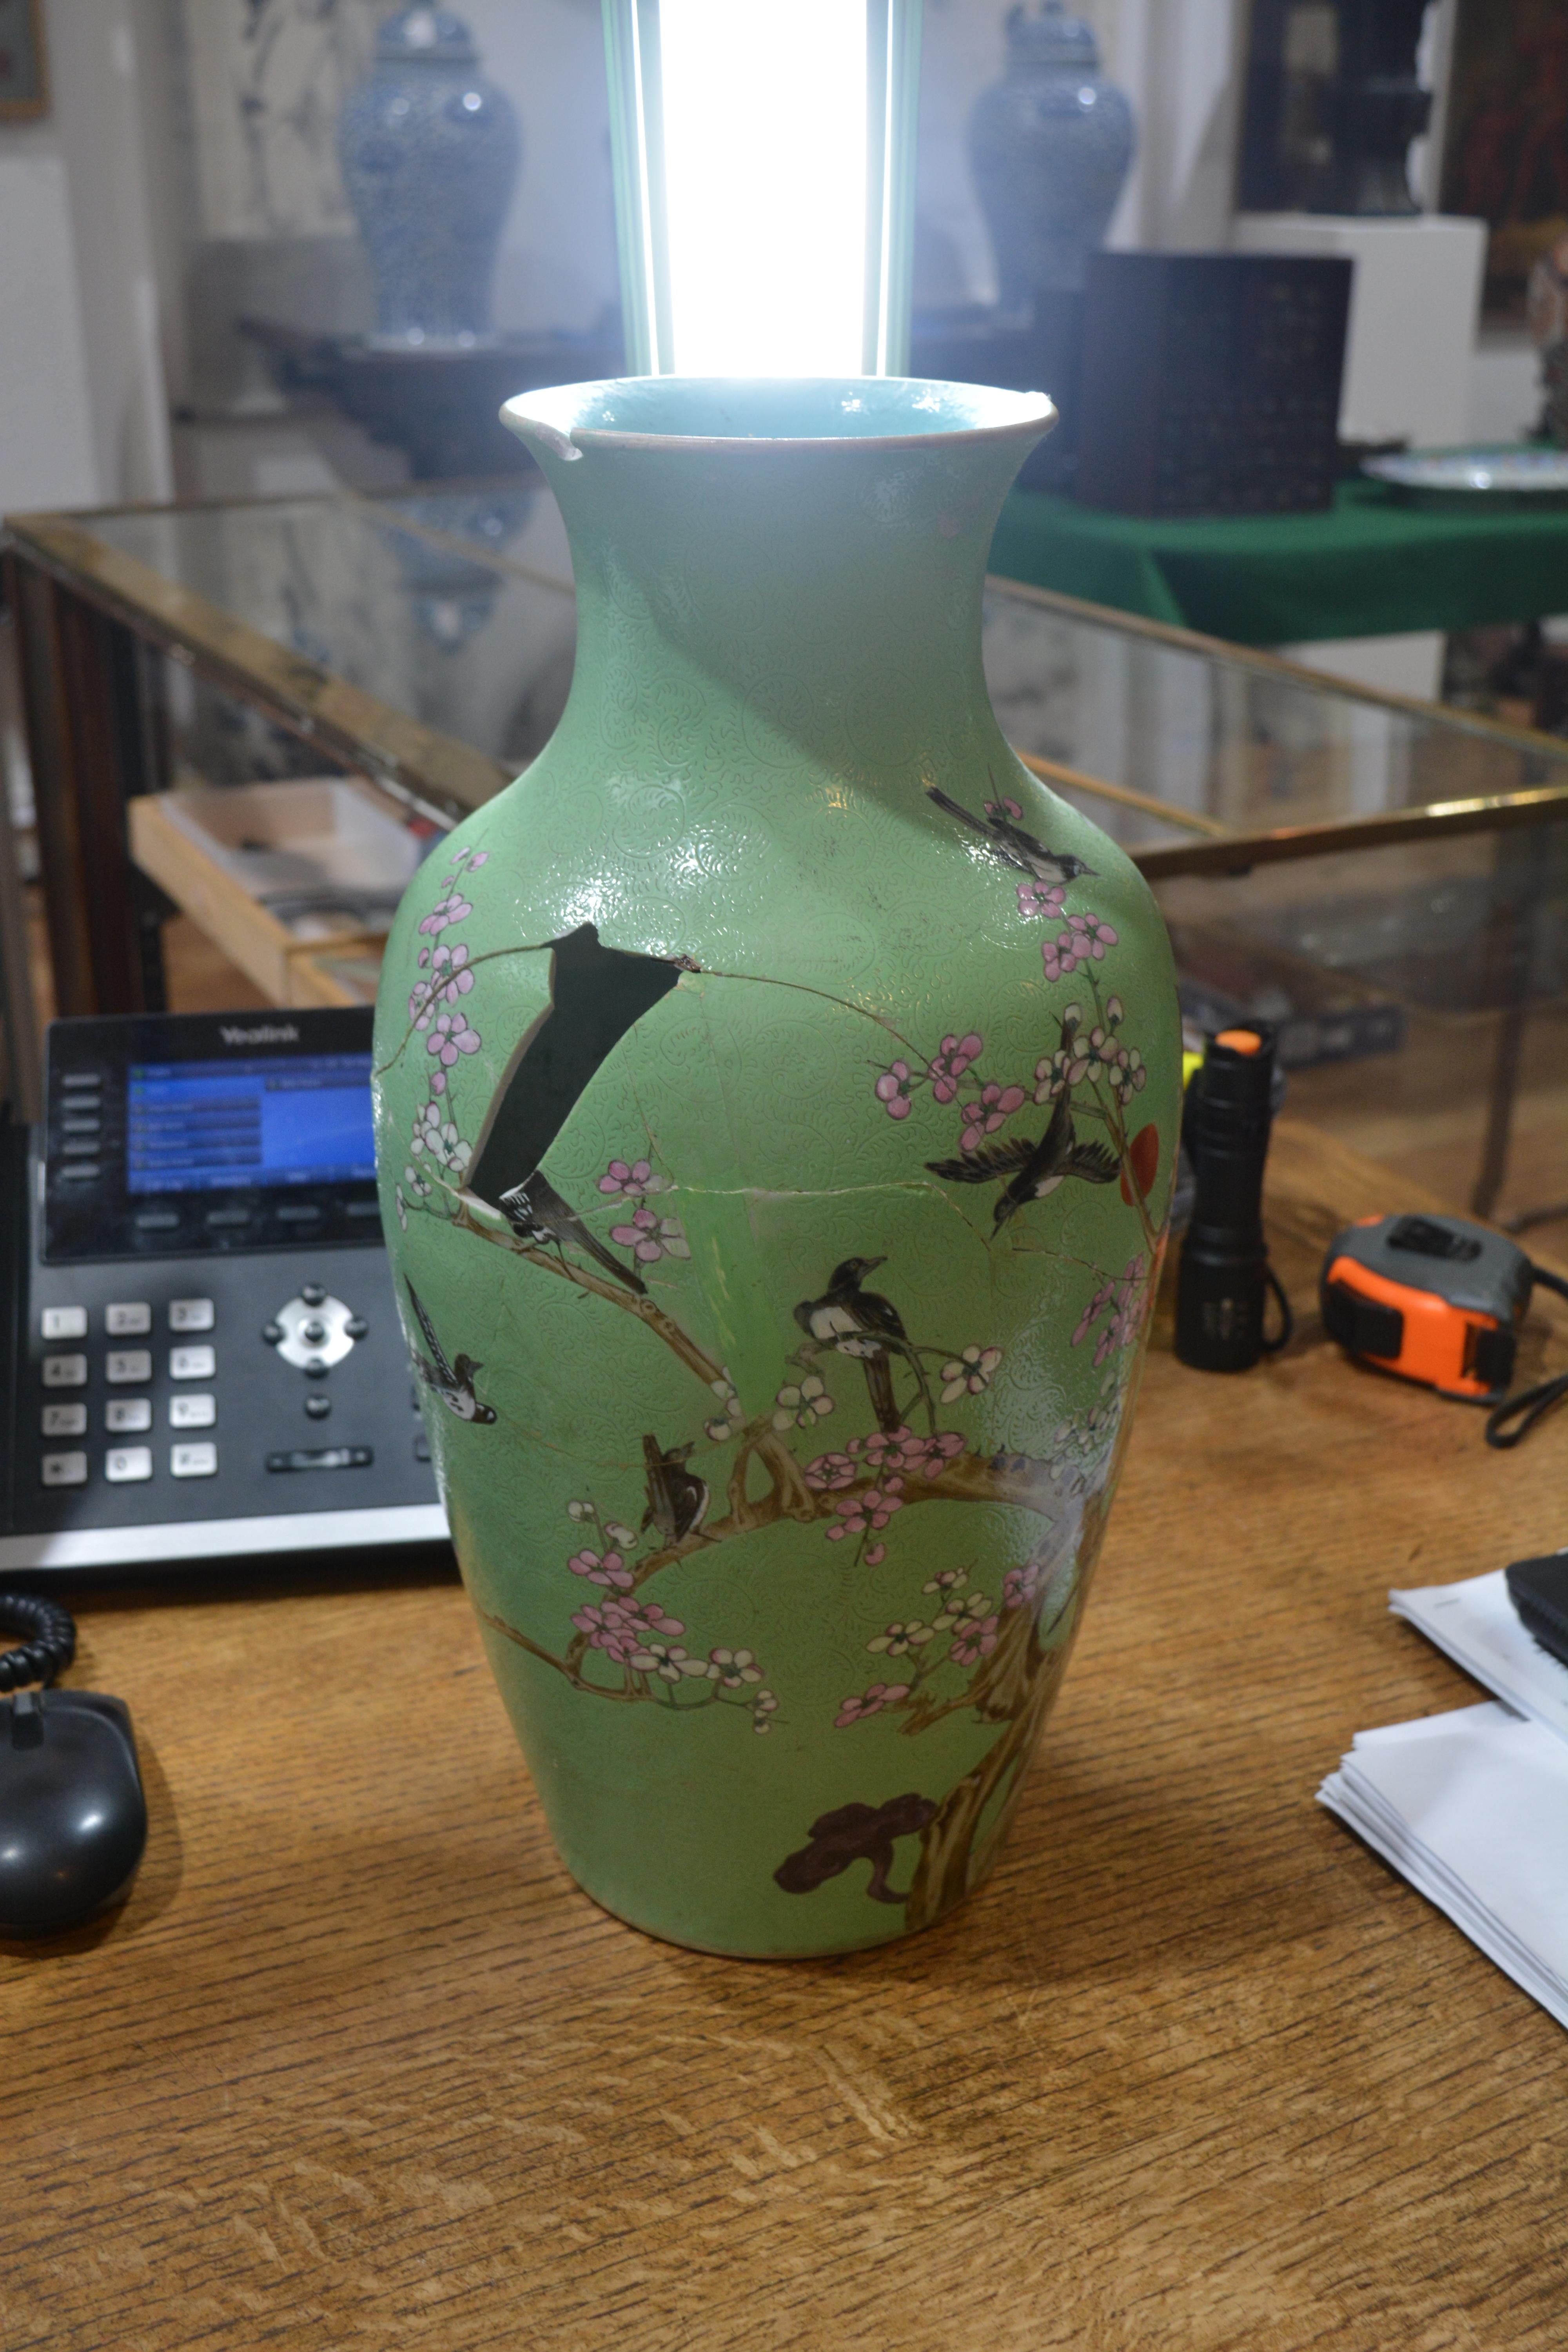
x=357 y=2066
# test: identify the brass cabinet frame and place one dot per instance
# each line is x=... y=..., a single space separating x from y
x=88 y=616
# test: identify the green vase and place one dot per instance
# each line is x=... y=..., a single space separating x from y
x=776 y=1097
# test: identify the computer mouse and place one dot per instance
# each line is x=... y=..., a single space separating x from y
x=73 y=1816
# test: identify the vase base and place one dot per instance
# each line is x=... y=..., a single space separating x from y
x=835 y=1950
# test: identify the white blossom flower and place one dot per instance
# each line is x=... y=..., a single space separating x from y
x=731 y=1668
x=970 y=1373
x=899 y=1639
x=800 y=1405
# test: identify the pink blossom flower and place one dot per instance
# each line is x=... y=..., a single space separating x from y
x=873 y=1508
x=974 y=1638
x=1124 y=1297
x=449 y=975
x=883 y=1446
x=871 y=1701
x=447 y=911
x=451 y=1036
x=830 y=1471
x=608 y=1569
x=1101 y=935
x=1005 y=808
x=902 y=1450
x=1041 y=898
x=623 y=1628
x=1084 y=940
x=876 y=1556
x=986 y=1115
x=1021 y=1585
x=630 y=1182
x=893 y=1090
x=948 y=1066
x=651 y=1236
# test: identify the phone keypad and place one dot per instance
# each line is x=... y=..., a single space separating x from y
x=127 y=1368
x=312 y=1333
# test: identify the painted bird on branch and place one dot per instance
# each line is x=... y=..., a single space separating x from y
x=676 y=1497
x=1029 y=1171
x=862 y=1323
x=541 y=1218
x=1002 y=831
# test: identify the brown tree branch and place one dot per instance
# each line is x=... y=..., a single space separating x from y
x=664 y=1327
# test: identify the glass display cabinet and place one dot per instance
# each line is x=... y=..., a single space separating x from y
x=1388 y=880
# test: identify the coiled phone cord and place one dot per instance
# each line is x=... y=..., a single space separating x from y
x=49 y=1646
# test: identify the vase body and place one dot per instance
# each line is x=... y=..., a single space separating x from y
x=429 y=151
x=1050 y=147
x=776 y=1096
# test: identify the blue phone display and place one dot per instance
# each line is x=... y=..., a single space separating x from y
x=195 y=1127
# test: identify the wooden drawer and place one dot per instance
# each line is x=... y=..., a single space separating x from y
x=257 y=867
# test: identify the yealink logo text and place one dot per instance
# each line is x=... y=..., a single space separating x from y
x=266 y=1033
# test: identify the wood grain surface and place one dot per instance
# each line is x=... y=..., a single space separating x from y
x=358 y=2066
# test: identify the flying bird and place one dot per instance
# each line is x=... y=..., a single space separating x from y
x=453 y=1383
x=676 y=1497
x=1006 y=839
x=864 y=1324
x=1035 y=1168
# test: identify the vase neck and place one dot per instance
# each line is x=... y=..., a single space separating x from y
x=797 y=599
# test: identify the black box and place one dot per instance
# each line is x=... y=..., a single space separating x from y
x=1210 y=383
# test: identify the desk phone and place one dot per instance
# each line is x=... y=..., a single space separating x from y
x=204 y=1353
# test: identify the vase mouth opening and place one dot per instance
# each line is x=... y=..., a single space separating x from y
x=772 y=413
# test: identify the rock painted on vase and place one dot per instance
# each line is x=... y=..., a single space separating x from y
x=430 y=151
x=777 y=1093
x=1050 y=147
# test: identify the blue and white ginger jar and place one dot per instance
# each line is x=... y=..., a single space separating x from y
x=430 y=151
x=1049 y=146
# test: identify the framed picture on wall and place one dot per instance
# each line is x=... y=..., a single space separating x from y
x=23 y=86
x=1505 y=146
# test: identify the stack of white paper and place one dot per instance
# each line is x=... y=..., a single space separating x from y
x=1476 y=1623
x=1472 y=1808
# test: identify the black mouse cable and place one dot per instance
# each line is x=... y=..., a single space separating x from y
x=1528 y=1406
x=50 y=1639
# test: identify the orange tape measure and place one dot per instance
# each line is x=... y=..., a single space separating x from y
x=1438 y=1300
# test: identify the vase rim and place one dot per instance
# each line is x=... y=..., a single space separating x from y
x=901 y=412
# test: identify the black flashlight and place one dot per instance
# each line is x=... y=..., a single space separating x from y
x=1224 y=1272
